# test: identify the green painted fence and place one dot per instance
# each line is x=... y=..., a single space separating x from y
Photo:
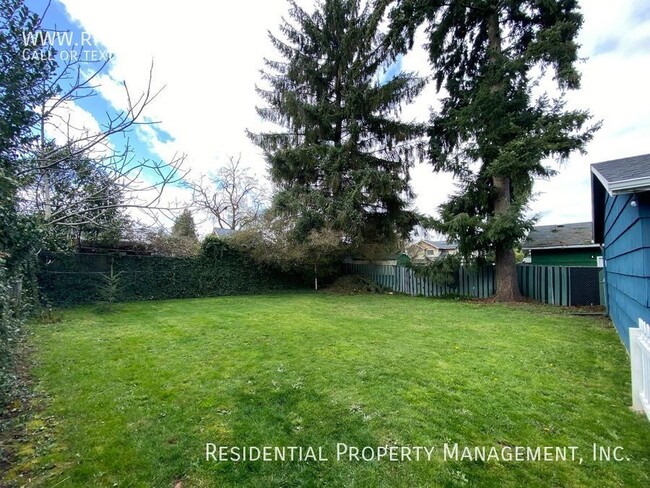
x=546 y=284
x=555 y=285
x=478 y=283
x=562 y=285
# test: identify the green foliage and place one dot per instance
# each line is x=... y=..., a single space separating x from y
x=343 y=161
x=441 y=271
x=272 y=242
x=184 y=226
x=182 y=242
x=70 y=279
x=110 y=288
x=84 y=198
x=217 y=249
x=21 y=89
x=20 y=235
x=520 y=255
x=491 y=131
x=22 y=79
x=9 y=328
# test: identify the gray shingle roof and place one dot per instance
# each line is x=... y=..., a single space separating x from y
x=624 y=175
x=223 y=232
x=563 y=235
x=442 y=245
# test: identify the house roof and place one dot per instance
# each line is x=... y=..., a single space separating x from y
x=442 y=245
x=616 y=177
x=626 y=175
x=223 y=232
x=560 y=236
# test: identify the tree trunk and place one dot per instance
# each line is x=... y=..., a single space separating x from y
x=47 y=199
x=338 y=87
x=507 y=287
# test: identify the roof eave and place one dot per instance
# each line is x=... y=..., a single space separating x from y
x=550 y=248
x=636 y=185
x=632 y=185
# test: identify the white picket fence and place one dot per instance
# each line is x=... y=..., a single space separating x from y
x=640 y=359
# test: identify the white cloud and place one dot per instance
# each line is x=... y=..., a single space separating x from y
x=614 y=85
x=67 y=121
x=208 y=56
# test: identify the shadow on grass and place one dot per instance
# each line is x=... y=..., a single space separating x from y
x=291 y=415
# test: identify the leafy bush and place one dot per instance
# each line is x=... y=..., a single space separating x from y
x=441 y=271
x=273 y=243
x=10 y=322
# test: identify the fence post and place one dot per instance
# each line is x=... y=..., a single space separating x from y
x=602 y=290
x=16 y=291
x=636 y=360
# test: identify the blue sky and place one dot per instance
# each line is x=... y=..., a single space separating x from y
x=207 y=55
x=393 y=70
x=74 y=40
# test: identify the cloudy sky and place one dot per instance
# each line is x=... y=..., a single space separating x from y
x=207 y=55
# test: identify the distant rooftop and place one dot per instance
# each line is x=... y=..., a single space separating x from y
x=442 y=245
x=624 y=175
x=558 y=236
x=223 y=232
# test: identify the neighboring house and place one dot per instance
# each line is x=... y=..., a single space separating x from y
x=426 y=250
x=223 y=232
x=562 y=245
x=620 y=192
x=419 y=233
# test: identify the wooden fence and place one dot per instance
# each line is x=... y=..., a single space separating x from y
x=555 y=285
x=640 y=360
x=562 y=285
x=546 y=284
x=474 y=282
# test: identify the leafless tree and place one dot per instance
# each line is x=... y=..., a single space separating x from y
x=232 y=197
x=140 y=182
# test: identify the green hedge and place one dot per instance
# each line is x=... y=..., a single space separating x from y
x=71 y=279
x=9 y=327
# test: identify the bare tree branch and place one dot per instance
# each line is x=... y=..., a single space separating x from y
x=232 y=197
x=126 y=181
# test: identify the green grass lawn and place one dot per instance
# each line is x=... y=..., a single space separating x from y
x=132 y=397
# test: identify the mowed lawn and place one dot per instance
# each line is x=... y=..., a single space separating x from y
x=132 y=397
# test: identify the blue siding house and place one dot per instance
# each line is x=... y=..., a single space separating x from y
x=620 y=192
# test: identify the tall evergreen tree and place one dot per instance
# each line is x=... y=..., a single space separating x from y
x=23 y=75
x=21 y=89
x=492 y=132
x=184 y=226
x=343 y=161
